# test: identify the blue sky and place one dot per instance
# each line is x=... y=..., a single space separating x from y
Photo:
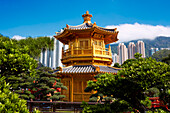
x=45 y=17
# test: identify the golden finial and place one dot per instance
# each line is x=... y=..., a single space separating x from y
x=94 y=24
x=87 y=17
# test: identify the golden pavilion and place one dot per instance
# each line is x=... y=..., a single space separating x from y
x=85 y=57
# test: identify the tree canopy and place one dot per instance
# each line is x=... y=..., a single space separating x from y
x=131 y=83
x=47 y=86
x=35 y=45
x=16 y=65
x=166 y=59
x=10 y=101
x=117 y=65
x=159 y=55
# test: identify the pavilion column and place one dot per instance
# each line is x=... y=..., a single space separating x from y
x=110 y=52
x=72 y=52
x=71 y=89
x=76 y=41
x=93 y=48
x=103 y=48
x=76 y=45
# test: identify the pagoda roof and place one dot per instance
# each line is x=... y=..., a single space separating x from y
x=88 y=69
x=84 y=28
x=109 y=35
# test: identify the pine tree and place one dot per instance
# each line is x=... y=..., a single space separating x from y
x=47 y=86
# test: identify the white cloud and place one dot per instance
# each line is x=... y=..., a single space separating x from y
x=17 y=37
x=135 y=31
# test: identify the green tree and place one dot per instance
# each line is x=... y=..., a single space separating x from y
x=47 y=83
x=117 y=65
x=166 y=59
x=35 y=45
x=10 y=101
x=159 y=55
x=131 y=83
x=17 y=66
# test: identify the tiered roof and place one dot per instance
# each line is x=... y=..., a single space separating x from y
x=109 y=35
x=88 y=69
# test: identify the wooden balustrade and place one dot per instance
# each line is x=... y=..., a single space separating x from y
x=86 y=51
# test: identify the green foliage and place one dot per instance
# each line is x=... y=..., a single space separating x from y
x=17 y=66
x=99 y=108
x=35 y=45
x=17 y=62
x=166 y=59
x=114 y=107
x=160 y=55
x=117 y=65
x=36 y=111
x=146 y=102
x=131 y=83
x=152 y=92
x=137 y=55
x=47 y=83
x=10 y=101
x=120 y=106
x=93 y=99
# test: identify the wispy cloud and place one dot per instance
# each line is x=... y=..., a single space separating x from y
x=135 y=31
x=17 y=37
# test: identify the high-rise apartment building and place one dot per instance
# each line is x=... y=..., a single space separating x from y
x=122 y=52
x=52 y=58
x=140 y=46
x=131 y=50
x=115 y=58
x=152 y=51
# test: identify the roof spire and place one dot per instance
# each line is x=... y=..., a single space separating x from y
x=87 y=17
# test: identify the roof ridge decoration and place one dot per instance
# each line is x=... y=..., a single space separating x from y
x=94 y=24
x=81 y=26
x=87 y=17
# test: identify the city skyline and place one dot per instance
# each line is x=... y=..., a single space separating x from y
x=128 y=52
x=21 y=19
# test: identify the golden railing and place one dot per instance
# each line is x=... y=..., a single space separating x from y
x=87 y=51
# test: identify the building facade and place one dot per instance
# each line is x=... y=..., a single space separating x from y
x=131 y=50
x=52 y=58
x=85 y=57
x=140 y=47
x=152 y=51
x=122 y=52
x=115 y=59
